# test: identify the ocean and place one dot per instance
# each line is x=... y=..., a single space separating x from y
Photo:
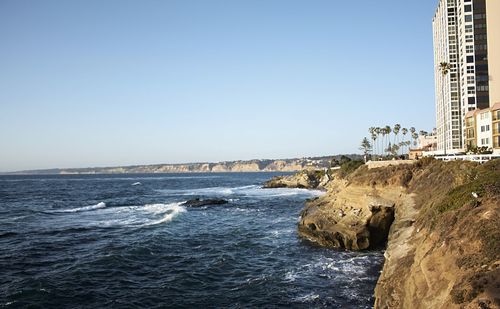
x=125 y=241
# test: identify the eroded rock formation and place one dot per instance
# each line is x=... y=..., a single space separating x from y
x=443 y=248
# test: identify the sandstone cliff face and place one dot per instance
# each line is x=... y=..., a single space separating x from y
x=448 y=245
x=443 y=248
x=307 y=179
x=285 y=165
x=350 y=217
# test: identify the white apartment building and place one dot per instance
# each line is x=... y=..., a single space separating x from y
x=448 y=120
x=461 y=39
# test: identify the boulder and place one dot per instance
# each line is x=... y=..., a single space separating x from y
x=197 y=202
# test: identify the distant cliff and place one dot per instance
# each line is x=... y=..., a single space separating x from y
x=284 y=165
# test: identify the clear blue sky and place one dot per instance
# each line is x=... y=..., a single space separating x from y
x=117 y=82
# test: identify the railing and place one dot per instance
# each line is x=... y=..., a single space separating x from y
x=474 y=158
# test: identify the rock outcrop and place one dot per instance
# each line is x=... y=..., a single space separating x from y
x=349 y=216
x=443 y=248
x=199 y=202
x=307 y=179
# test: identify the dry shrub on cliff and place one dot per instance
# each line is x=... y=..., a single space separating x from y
x=399 y=175
x=460 y=203
x=446 y=186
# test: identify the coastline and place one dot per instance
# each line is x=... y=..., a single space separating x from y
x=441 y=245
x=256 y=165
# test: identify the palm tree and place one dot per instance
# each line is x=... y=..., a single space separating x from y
x=372 y=133
x=378 y=131
x=388 y=131
x=366 y=147
x=395 y=149
x=383 y=131
x=404 y=131
x=445 y=68
x=414 y=135
x=412 y=131
x=374 y=138
x=396 y=129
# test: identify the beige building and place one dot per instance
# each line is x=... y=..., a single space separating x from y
x=493 y=24
x=483 y=128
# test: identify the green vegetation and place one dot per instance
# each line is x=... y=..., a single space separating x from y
x=472 y=183
x=478 y=150
x=350 y=167
x=347 y=167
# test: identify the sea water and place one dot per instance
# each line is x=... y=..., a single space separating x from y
x=126 y=241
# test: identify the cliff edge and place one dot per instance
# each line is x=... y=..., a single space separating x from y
x=441 y=221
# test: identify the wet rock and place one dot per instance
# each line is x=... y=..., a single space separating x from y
x=200 y=202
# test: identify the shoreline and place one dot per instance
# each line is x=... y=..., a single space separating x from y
x=441 y=243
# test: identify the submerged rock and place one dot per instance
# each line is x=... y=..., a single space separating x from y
x=197 y=202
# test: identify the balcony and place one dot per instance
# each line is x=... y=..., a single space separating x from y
x=495 y=116
x=496 y=130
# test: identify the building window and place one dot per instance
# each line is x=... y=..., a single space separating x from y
x=485 y=116
x=470 y=59
x=468 y=8
x=483 y=78
x=470 y=69
x=469 y=48
x=470 y=80
x=468 y=18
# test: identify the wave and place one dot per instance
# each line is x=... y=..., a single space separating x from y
x=80 y=209
x=248 y=191
x=170 y=210
x=307 y=298
x=100 y=216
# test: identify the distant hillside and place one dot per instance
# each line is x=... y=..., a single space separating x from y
x=284 y=165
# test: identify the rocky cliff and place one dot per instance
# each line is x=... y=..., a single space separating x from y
x=442 y=222
x=283 y=165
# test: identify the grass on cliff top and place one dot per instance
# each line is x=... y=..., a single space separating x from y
x=349 y=167
x=447 y=186
x=447 y=195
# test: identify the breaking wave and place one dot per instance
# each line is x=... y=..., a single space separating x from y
x=85 y=208
x=243 y=191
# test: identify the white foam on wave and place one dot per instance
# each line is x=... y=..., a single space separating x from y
x=85 y=208
x=307 y=298
x=136 y=184
x=248 y=191
x=170 y=211
x=290 y=276
x=118 y=216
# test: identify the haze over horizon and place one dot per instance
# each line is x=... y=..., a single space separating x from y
x=92 y=83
